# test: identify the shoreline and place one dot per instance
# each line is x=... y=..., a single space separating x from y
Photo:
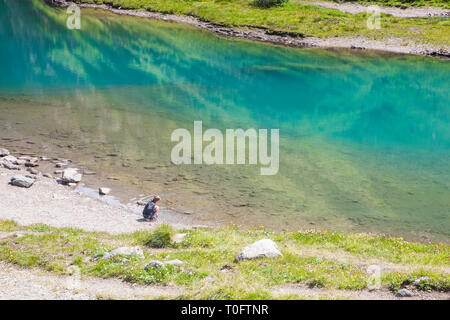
x=51 y=201
x=37 y=222
x=46 y=243
x=74 y=205
x=261 y=34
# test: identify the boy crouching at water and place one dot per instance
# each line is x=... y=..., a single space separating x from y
x=150 y=211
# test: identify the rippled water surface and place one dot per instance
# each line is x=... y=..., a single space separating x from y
x=364 y=138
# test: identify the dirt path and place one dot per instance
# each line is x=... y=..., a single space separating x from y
x=356 y=8
x=28 y=284
x=381 y=294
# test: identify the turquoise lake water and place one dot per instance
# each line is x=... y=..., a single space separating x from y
x=364 y=137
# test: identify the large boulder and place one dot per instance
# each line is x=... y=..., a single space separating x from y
x=4 y=152
x=264 y=248
x=125 y=251
x=21 y=181
x=71 y=175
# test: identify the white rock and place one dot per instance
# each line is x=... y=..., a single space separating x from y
x=61 y=164
x=125 y=251
x=179 y=237
x=10 y=166
x=264 y=248
x=4 y=152
x=174 y=262
x=420 y=279
x=141 y=202
x=21 y=181
x=10 y=159
x=404 y=293
x=104 y=191
x=71 y=175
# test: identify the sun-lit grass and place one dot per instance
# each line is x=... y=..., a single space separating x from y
x=209 y=270
x=161 y=237
x=398 y=3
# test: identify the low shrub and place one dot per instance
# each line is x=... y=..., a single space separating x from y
x=161 y=237
x=268 y=3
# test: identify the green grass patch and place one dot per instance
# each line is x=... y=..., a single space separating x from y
x=209 y=271
x=161 y=237
x=300 y=18
x=398 y=3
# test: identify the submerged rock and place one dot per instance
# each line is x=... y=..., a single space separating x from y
x=125 y=251
x=4 y=152
x=71 y=175
x=264 y=248
x=31 y=162
x=104 y=191
x=61 y=165
x=33 y=171
x=21 y=181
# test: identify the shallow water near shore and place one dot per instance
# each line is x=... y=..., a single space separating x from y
x=364 y=137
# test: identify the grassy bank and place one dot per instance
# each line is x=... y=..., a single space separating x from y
x=398 y=3
x=298 y=18
x=331 y=260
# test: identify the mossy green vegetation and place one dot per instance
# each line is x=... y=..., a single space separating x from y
x=160 y=238
x=268 y=3
x=300 y=18
x=399 y=3
x=329 y=260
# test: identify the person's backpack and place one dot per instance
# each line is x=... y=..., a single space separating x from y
x=148 y=210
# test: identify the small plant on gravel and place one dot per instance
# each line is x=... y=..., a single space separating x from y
x=161 y=237
x=268 y=3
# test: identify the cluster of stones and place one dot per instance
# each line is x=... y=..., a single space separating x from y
x=67 y=175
